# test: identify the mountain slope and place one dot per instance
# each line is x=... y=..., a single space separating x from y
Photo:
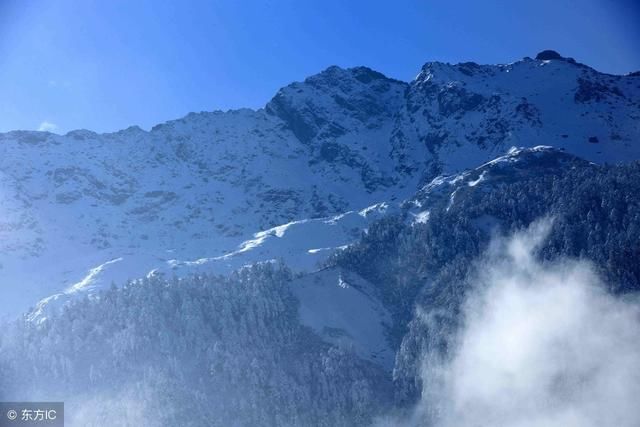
x=342 y=140
x=264 y=346
x=305 y=263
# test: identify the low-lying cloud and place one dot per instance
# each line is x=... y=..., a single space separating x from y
x=543 y=345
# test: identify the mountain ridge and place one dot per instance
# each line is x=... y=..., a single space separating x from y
x=339 y=141
x=328 y=68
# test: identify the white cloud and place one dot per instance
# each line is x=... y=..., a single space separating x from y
x=544 y=345
x=47 y=126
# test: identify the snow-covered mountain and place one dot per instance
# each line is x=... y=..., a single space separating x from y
x=517 y=164
x=294 y=180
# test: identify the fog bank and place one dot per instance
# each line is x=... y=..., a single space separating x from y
x=543 y=345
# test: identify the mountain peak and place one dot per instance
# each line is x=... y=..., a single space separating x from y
x=445 y=71
x=550 y=55
x=335 y=73
x=547 y=55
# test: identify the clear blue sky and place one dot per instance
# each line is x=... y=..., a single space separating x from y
x=107 y=64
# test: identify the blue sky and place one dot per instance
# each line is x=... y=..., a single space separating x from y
x=105 y=65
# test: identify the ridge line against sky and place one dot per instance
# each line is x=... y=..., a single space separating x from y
x=46 y=126
x=105 y=66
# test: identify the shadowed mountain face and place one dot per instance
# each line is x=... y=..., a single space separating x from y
x=340 y=141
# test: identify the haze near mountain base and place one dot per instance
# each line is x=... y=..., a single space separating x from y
x=543 y=345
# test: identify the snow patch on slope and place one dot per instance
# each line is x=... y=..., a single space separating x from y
x=342 y=309
x=296 y=243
